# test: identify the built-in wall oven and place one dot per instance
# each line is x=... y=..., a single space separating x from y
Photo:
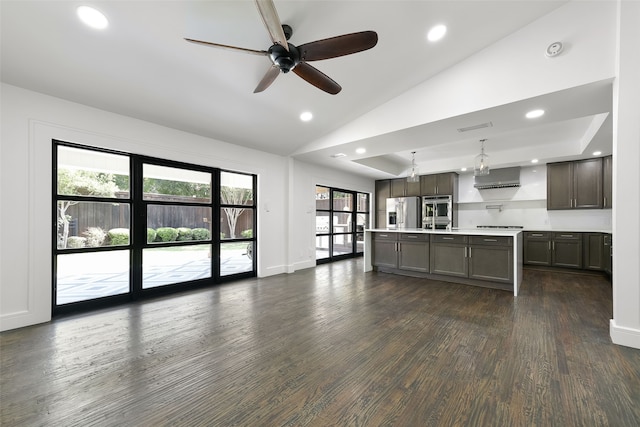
x=437 y=212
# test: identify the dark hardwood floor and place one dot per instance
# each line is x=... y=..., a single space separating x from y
x=331 y=346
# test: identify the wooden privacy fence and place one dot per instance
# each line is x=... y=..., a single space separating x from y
x=117 y=215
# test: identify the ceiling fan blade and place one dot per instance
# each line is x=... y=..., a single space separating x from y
x=269 y=15
x=338 y=46
x=317 y=78
x=268 y=78
x=224 y=46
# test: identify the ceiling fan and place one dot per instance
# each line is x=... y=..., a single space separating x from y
x=288 y=57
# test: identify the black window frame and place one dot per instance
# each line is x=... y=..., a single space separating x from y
x=138 y=230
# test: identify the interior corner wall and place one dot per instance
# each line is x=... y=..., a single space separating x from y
x=625 y=325
x=306 y=177
x=31 y=120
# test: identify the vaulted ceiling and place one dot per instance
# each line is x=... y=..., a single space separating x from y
x=140 y=66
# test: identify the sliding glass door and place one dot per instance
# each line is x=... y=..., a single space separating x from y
x=128 y=226
x=178 y=206
x=341 y=217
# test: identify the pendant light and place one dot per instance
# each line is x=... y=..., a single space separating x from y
x=414 y=175
x=481 y=165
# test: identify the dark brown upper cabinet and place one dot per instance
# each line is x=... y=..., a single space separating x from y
x=575 y=185
x=442 y=184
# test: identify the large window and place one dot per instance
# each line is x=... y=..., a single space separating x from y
x=341 y=217
x=128 y=225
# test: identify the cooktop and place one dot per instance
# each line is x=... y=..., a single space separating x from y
x=501 y=226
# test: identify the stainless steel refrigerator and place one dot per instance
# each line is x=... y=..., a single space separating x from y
x=403 y=212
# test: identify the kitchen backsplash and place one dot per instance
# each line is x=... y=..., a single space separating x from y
x=525 y=205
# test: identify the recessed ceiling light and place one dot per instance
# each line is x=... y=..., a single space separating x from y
x=92 y=17
x=597 y=153
x=361 y=150
x=534 y=160
x=306 y=116
x=436 y=33
x=534 y=114
x=463 y=169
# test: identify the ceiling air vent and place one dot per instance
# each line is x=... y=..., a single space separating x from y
x=474 y=127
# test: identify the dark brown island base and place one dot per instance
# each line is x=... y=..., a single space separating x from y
x=485 y=258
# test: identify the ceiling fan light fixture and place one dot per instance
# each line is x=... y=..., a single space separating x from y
x=481 y=164
x=414 y=174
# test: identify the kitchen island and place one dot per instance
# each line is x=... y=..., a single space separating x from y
x=488 y=258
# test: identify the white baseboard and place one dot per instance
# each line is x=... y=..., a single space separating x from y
x=621 y=335
x=289 y=268
x=21 y=319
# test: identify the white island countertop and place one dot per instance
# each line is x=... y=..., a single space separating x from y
x=461 y=231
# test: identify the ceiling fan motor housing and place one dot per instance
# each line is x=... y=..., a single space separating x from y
x=285 y=60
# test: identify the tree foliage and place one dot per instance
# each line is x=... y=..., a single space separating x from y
x=234 y=196
x=80 y=183
x=176 y=188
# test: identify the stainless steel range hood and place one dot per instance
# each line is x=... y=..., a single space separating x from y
x=498 y=178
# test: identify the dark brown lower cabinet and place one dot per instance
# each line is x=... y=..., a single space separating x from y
x=537 y=248
x=607 y=253
x=449 y=255
x=384 y=250
x=404 y=251
x=413 y=252
x=593 y=251
x=566 y=250
x=491 y=258
x=475 y=257
x=588 y=251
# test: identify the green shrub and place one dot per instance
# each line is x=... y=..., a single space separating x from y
x=119 y=236
x=185 y=233
x=166 y=234
x=151 y=235
x=95 y=236
x=222 y=235
x=201 y=234
x=76 y=242
x=247 y=234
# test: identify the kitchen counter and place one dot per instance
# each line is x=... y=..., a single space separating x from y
x=460 y=231
x=515 y=254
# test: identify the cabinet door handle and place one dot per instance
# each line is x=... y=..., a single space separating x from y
x=490 y=240
x=536 y=235
x=553 y=245
x=469 y=252
x=384 y=235
x=411 y=237
x=447 y=238
x=465 y=251
x=549 y=245
x=566 y=235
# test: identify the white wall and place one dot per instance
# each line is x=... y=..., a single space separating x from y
x=525 y=205
x=307 y=176
x=29 y=123
x=625 y=325
x=286 y=188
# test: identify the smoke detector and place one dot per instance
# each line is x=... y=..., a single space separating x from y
x=553 y=49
